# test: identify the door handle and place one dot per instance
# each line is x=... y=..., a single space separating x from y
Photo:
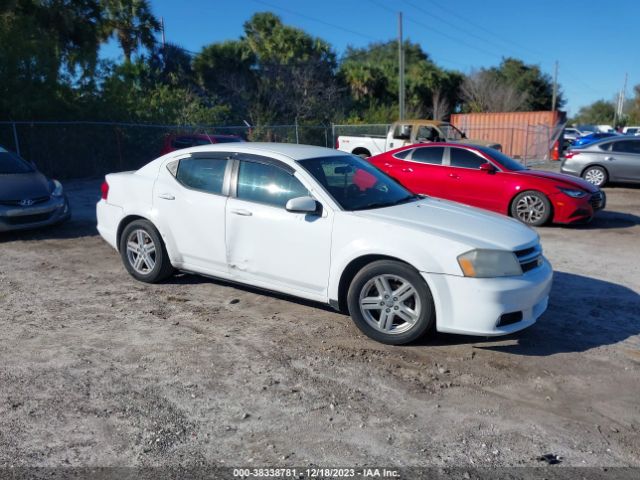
x=453 y=175
x=242 y=212
x=166 y=196
x=609 y=159
x=408 y=169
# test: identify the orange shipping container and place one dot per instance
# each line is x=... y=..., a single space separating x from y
x=524 y=135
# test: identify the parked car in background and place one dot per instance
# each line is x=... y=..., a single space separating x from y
x=482 y=177
x=592 y=137
x=569 y=135
x=178 y=142
x=28 y=199
x=631 y=130
x=406 y=132
x=614 y=159
x=291 y=218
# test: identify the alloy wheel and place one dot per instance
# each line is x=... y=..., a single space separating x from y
x=594 y=176
x=530 y=208
x=141 y=251
x=390 y=304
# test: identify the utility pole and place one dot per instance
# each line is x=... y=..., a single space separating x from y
x=400 y=68
x=555 y=88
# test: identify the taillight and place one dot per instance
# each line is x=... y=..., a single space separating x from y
x=337 y=143
x=571 y=154
x=104 y=190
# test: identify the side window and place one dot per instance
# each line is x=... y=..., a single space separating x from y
x=205 y=174
x=464 y=158
x=426 y=134
x=605 y=146
x=261 y=183
x=402 y=132
x=627 y=146
x=432 y=155
x=403 y=154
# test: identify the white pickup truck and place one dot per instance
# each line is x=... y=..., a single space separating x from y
x=406 y=132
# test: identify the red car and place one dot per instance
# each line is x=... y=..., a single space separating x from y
x=176 y=142
x=486 y=178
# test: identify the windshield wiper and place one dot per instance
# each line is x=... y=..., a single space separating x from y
x=388 y=204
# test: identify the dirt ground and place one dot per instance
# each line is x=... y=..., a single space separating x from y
x=97 y=369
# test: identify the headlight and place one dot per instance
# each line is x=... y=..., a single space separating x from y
x=572 y=193
x=489 y=263
x=57 y=189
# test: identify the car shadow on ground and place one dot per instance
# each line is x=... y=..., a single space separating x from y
x=583 y=313
x=196 y=279
x=607 y=219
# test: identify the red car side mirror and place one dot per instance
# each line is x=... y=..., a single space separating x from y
x=487 y=167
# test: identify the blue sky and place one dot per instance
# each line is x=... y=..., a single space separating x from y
x=595 y=43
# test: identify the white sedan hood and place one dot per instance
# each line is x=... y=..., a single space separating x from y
x=473 y=226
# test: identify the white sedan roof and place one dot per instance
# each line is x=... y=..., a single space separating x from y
x=292 y=150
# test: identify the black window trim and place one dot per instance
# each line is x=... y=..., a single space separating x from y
x=226 y=156
x=441 y=164
x=447 y=157
x=245 y=157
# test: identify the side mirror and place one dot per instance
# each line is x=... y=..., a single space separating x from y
x=487 y=167
x=464 y=135
x=303 y=205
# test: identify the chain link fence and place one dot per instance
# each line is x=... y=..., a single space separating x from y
x=91 y=149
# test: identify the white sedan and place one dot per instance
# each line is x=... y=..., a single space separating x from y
x=327 y=226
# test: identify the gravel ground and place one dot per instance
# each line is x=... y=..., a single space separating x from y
x=97 y=369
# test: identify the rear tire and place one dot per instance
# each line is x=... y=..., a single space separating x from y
x=143 y=252
x=595 y=176
x=531 y=208
x=391 y=303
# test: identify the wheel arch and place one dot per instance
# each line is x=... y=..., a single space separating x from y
x=599 y=165
x=352 y=269
x=126 y=221
x=361 y=151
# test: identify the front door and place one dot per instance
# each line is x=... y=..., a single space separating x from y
x=269 y=246
x=473 y=186
x=190 y=199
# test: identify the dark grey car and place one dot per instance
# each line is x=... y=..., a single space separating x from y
x=614 y=159
x=28 y=199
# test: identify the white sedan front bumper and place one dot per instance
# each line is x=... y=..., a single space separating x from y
x=490 y=306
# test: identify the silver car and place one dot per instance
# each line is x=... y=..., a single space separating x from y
x=28 y=199
x=613 y=159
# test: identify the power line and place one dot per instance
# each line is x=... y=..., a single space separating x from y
x=292 y=12
x=438 y=32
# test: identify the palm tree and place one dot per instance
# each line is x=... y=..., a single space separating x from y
x=132 y=23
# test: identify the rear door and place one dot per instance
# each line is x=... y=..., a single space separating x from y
x=190 y=196
x=422 y=171
x=624 y=160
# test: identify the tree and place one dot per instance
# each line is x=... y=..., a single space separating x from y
x=131 y=23
x=485 y=92
x=599 y=112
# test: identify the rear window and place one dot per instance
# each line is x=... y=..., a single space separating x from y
x=11 y=163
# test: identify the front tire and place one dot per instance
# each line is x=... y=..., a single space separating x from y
x=595 y=176
x=532 y=208
x=391 y=303
x=143 y=252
